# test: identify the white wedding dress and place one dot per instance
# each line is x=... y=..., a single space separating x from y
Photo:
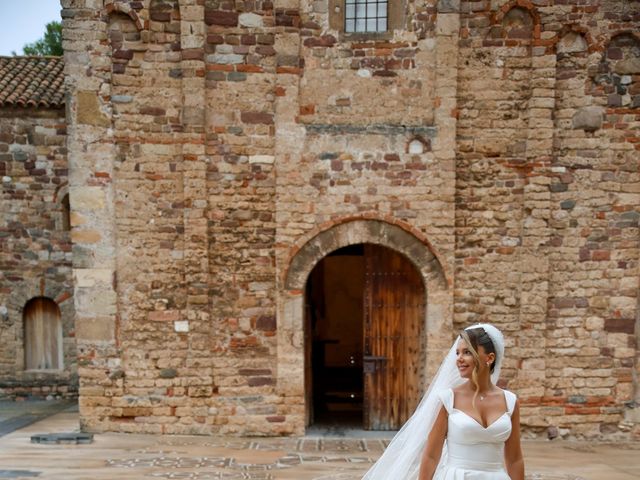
x=473 y=451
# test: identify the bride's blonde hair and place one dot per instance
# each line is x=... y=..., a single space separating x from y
x=474 y=337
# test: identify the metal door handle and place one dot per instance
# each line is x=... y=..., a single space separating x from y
x=374 y=358
x=372 y=363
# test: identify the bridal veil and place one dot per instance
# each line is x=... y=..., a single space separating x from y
x=401 y=459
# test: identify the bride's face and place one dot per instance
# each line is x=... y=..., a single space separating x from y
x=465 y=361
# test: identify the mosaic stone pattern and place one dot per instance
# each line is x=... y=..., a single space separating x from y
x=343 y=456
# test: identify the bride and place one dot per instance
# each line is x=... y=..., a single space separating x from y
x=465 y=427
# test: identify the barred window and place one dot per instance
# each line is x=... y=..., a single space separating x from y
x=365 y=16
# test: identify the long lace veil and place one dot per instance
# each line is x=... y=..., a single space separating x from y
x=401 y=459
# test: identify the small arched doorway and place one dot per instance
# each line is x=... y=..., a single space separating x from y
x=42 y=335
x=364 y=338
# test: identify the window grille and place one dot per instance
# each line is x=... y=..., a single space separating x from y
x=365 y=16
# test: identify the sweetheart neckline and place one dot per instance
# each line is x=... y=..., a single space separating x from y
x=477 y=422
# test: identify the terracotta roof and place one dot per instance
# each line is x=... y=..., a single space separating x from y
x=32 y=82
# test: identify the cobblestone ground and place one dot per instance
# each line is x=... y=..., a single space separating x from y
x=122 y=457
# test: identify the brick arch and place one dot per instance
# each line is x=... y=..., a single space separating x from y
x=328 y=237
x=631 y=33
x=605 y=63
x=58 y=199
x=426 y=143
x=526 y=5
x=117 y=7
x=592 y=44
x=61 y=191
x=351 y=231
x=42 y=342
x=28 y=289
x=40 y=287
x=621 y=33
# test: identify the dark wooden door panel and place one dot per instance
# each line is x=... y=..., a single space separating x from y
x=394 y=314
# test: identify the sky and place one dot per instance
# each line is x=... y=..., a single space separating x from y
x=23 y=21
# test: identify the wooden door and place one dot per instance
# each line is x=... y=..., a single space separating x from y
x=394 y=309
x=43 y=335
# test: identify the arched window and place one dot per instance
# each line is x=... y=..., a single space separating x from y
x=42 y=335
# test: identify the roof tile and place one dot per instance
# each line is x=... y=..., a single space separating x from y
x=32 y=82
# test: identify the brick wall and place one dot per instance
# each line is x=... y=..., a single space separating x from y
x=35 y=249
x=211 y=141
x=547 y=180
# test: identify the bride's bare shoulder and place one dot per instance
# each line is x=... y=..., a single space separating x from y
x=461 y=389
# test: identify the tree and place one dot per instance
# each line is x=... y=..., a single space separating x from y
x=50 y=44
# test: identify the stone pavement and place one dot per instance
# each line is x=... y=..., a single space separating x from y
x=19 y=414
x=124 y=457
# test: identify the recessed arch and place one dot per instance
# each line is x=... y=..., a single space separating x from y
x=516 y=20
x=116 y=7
x=418 y=145
x=42 y=335
x=626 y=41
x=61 y=198
x=349 y=231
x=436 y=317
x=572 y=42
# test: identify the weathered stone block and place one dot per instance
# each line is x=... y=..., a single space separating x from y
x=85 y=236
x=90 y=277
x=95 y=329
x=448 y=6
x=267 y=159
x=193 y=115
x=168 y=373
x=164 y=316
x=225 y=59
x=90 y=301
x=250 y=20
x=88 y=110
x=588 y=118
x=122 y=99
x=87 y=198
x=628 y=66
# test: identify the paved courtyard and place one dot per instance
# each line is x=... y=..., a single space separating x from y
x=123 y=457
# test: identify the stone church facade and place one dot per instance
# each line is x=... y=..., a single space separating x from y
x=36 y=286
x=253 y=184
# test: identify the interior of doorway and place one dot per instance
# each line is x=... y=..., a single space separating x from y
x=334 y=306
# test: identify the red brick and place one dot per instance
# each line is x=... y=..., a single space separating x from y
x=257 y=117
x=220 y=17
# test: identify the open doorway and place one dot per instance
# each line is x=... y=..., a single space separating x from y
x=364 y=341
x=335 y=321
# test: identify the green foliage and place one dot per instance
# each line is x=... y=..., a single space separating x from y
x=51 y=44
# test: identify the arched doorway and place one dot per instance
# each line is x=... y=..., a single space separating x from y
x=42 y=335
x=364 y=338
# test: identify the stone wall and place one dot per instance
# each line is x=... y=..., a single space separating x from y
x=35 y=247
x=219 y=149
x=547 y=202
